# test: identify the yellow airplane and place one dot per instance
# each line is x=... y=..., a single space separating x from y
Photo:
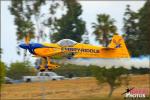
x=67 y=48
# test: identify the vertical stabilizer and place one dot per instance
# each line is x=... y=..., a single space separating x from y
x=118 y=42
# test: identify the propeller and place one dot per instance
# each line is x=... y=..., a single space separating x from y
x=27 y=40
x=26 y=44
x=31 y=46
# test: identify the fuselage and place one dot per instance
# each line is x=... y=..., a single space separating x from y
x=78 y=50
x=67 y=47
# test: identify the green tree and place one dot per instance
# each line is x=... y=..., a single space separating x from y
x=19 y=69
x=85 y=38
x=70 y=70
x=23 y=10
x=22 y=13
x=38 y=16
x=1 y=51
x=70 y=25
x=144 y=26
x=2 y=72
x=131 y=29
x=52 y=18
x=104 y=28
x=113 y=76
x=136 y=26
x=2 y=69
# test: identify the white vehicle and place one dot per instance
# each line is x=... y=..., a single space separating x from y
x=43 y=76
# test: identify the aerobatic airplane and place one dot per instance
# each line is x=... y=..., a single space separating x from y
x=67 y=48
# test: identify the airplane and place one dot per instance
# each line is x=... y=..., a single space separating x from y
x=67 y=48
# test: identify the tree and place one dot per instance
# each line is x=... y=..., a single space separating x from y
x=112 y=76
x=2 y=72
x=19 y=69
x=144 y=26
x=22 y=13
x=131 y=29
x=85 y=38
x=51 y=21
x=140 y=70
x=104 y=29
x=2 y=69
x=70 y=70
x=39 y=18
x=70 y=25
x=1 y=51
x=136 y=26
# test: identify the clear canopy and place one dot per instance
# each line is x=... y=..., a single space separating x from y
x=66 y=42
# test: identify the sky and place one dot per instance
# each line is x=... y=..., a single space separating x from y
x=115 y=9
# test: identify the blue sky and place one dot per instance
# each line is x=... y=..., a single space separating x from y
x=116 y=10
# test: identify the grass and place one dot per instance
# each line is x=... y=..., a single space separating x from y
x=82 y=89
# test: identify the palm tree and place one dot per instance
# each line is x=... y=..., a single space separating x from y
x=104 y=29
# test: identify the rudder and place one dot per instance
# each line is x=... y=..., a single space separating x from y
x=118 y=42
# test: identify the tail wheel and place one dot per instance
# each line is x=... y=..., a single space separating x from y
x=54 y=79
x=28 y=80
x=57 y=66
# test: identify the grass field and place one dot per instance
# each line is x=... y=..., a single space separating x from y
x=83 y=88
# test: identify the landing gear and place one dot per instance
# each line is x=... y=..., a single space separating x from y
x=42 y=66
x=47 y=66
x=51 y=66
x=42 y=70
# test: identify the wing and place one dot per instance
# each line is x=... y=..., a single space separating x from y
x=56 y=54
x=63 y=55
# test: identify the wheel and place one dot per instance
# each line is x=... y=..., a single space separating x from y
x=54 y=79
x=28 y=80
x=57 y=66
x=42 y=70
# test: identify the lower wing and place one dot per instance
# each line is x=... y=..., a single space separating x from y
x=63 y=55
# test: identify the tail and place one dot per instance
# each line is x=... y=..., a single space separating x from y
x=118 y=42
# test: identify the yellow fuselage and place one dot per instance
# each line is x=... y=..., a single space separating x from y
x=81 y=51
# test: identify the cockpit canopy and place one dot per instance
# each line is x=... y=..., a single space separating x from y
x=66 y=42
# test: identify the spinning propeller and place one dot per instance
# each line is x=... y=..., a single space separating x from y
x=31 y=46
